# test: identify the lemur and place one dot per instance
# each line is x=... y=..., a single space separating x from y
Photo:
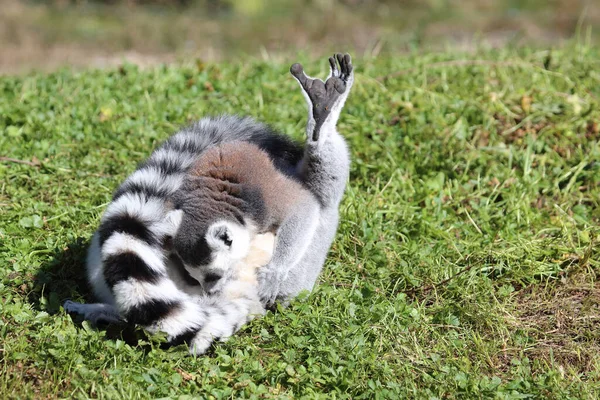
x=141 y=262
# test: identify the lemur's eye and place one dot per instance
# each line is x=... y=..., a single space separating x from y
x=224 y=237
x=168 y=243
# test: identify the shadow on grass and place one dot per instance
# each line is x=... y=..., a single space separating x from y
x=63 y=278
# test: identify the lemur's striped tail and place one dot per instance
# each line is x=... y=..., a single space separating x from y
x=128 y=266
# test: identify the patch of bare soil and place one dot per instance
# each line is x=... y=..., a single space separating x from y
x=514 y=130
x=563 y=322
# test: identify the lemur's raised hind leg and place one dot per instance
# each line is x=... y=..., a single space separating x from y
x=324 y=170
x=325 y=166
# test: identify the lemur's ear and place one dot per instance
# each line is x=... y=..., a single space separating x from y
x=172 y=222
x=170 y=226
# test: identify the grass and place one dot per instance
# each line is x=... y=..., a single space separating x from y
x=465 y=264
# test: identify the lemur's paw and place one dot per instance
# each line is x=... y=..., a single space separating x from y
x=268 y=284
x=72 y=307
x=325 y=95
x=268 y=296
x=200 y=344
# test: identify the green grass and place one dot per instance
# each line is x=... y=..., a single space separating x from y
x=465 y=264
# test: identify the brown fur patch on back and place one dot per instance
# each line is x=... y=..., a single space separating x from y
x=227 y=169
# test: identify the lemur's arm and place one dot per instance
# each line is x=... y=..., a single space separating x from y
x=324 y=170
x=292 y=241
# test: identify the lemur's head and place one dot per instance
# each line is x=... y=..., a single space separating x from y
x=216 y=225
x=209 y=250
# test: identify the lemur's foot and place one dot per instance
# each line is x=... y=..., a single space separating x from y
x=97 y=313
x=325 y=96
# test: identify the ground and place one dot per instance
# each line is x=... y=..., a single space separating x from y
x=464 y=267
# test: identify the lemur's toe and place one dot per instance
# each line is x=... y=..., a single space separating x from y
x=334 y=69
x=347 y=64
x=298 y=72
x=340 y=60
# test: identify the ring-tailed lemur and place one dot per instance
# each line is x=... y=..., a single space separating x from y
x=129 y=265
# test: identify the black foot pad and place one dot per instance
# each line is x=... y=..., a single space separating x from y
x=324 y=95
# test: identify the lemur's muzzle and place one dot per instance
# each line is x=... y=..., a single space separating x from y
x=211 y=279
